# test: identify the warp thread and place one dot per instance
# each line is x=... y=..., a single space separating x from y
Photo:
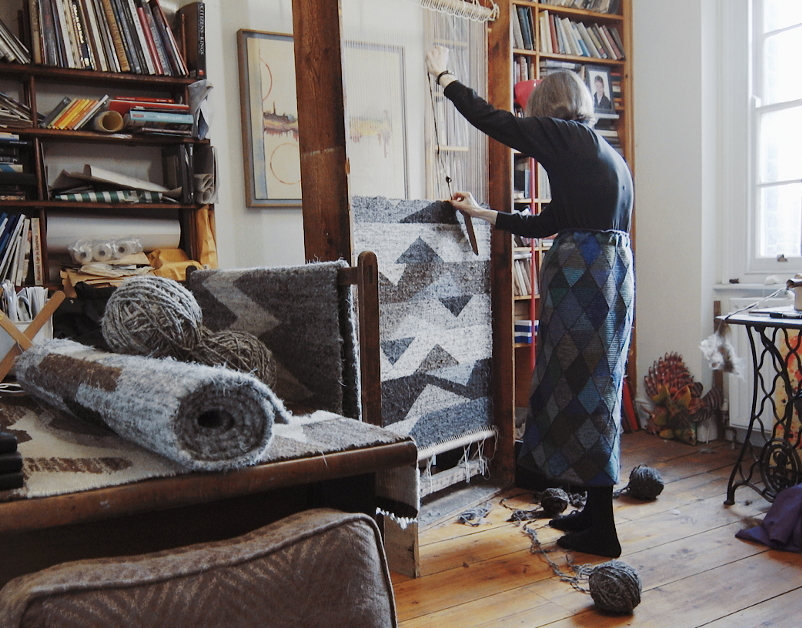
x=474 y=516
x=614 y=586
x=645 y=483
x=553 y=501
x=157 y=317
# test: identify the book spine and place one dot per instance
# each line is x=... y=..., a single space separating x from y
x=195 y=14
x=149 y=41
x=105 y=36
x=116 y=35
x=55 y=112
x=139 y=118
x=139 y=38
x=86 y=55
x=159 y=45
x=46 y=26
x=93 y=35
x=34 y=16
x=127 y=37
x=176 y=58
x=66 y=40
x=36 y=253
x=65 y=115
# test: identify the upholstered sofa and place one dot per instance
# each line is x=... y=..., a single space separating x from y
x=318 y=568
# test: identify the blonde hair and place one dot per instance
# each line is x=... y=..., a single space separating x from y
x=563 y=95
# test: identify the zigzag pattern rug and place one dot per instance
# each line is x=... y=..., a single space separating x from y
x=435 y=317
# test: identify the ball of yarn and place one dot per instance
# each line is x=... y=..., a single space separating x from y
x=554 y=501
x=152 y=316
x=237 y=350
x=645 y=483
x=615 y=586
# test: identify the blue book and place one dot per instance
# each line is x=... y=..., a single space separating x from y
x=149 y=118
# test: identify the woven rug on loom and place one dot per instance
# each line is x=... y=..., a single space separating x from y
x=435 y=317
x=302 y=315
x=62 y=454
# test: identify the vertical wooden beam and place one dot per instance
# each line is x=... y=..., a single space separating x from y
x=321 y=128
x=500 y=198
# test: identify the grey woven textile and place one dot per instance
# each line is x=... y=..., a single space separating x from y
x=204 y=418
x=303 y=316
x=587 y=302
x=434 y=317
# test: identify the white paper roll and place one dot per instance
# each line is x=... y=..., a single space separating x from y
x=65 y=229
x=102 y=252
x=126 y=247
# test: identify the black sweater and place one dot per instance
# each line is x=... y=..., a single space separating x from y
x=591 y=185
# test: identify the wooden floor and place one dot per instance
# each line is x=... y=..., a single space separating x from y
x=694 y=571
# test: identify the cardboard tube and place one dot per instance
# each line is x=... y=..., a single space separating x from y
x=108 y=122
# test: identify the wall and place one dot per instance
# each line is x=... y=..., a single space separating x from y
x=246 y=237
x=675 y=94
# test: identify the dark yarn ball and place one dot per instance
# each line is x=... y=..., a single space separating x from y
x=615 y=587
x=554 y=501
x=645 y=483
x=238 y=351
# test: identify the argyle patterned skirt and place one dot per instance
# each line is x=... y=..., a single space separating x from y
x=573 y=429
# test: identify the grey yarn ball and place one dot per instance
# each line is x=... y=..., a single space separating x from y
x=152 y=316
x=645 y=483
x=615 y=587
x=239 y=351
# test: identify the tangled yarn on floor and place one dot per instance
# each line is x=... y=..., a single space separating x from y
x=645 y=483
x=615 y=587
x=158 y=317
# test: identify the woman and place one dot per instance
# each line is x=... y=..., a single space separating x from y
x=587 y=290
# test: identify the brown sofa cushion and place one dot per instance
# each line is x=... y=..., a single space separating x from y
x=316 y=568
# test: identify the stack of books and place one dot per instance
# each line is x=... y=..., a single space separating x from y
x=599 y=6
x=163 y=116
x=10 y=462
x=107 y=35
x=20 y=249
x=11 y=48
x=13 y=113
x=14 y=156
x=563 y=36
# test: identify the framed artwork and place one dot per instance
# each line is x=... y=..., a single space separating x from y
x=269 y=119
x=598 y=79
x=377 y=151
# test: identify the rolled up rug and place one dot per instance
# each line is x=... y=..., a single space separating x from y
x=205 y=418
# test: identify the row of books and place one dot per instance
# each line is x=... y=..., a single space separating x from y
x=563 y=36
x=11 y=48
x=135 y=114
x=10 y=462
x=14 y=161
x=598 y=6
x=20 y=249
x=108 y=35
x=13 y=113
x=522 y=279
x=524 y=331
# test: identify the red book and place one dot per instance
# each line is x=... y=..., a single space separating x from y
x=124 y=106
x=154 y=54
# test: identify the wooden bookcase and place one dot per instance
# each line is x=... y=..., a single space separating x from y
x=32 y=80
x=510 y=61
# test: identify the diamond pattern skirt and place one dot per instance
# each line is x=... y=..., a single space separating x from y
x=587 y=300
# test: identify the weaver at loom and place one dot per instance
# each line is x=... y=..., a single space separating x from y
x=587 y=281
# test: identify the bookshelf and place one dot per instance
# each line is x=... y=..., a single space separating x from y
x=160 y=73
x=593 y=38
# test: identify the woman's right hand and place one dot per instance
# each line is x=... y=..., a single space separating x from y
x=466 y=203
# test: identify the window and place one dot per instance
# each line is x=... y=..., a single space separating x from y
x=761 y=210
x=777 y=111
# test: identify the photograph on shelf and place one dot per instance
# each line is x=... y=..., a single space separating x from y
x=376 y=120
x=598 y=79
x=269 y=119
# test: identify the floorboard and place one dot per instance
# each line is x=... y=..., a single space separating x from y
x=695 y=572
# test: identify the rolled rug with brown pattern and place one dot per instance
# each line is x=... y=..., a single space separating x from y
x=205 y=418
